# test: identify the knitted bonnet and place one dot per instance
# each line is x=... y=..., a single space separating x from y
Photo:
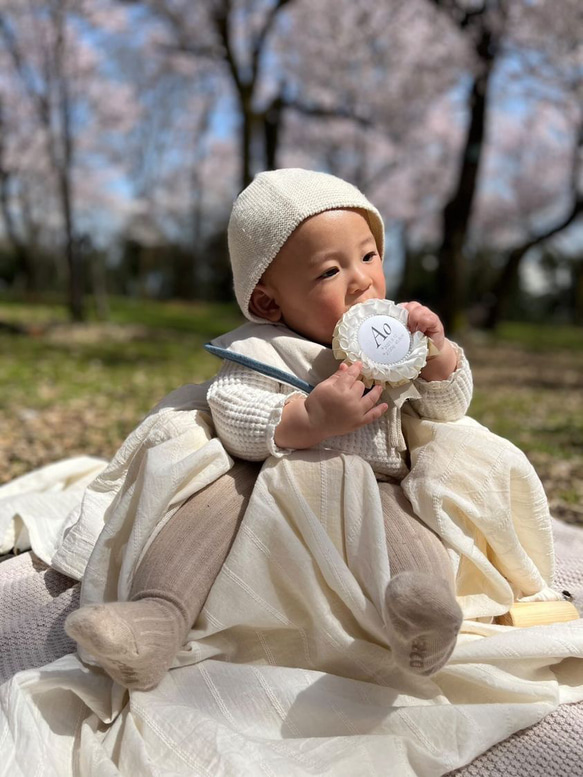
x=267 y=212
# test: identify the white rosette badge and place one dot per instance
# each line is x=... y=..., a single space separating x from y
x=375 y=333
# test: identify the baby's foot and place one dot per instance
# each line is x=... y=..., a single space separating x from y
x=135 y=642
x=424 y=620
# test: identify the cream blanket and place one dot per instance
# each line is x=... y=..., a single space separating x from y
x=288 y=671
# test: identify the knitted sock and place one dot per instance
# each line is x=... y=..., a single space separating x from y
x=34 y=602
x=423 y=615
x=136 y=641
x=424 y=620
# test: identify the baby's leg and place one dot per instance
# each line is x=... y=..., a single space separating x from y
x=422 y=610
x=136 y=641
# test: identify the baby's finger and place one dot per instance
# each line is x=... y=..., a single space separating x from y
x=375 y=413
x=371 y=397
x=417 y=321
x=423 y=320
x=357 y=388
x=350 y=374
x=409 y=306
x=340 y=372
x=355 y=369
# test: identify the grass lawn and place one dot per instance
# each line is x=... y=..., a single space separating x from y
x=529 y=388
x=68 y=390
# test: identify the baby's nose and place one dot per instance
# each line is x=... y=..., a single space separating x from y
x=360 y=280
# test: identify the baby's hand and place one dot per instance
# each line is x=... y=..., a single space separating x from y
x=422 y=319
x=338 y=405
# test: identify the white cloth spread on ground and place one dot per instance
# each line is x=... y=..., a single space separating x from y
x=288 y=671
x=51 y=492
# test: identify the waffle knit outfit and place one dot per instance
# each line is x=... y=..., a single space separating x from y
x=247 y=407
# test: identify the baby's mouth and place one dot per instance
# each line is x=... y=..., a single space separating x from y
x=360 y=301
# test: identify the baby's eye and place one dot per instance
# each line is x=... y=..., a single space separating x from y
x=329 y=273
x=369 y=257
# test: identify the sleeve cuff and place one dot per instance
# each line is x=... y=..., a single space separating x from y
x=273 y=422
x=431 y=386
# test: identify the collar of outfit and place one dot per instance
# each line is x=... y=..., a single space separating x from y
x=278 y=352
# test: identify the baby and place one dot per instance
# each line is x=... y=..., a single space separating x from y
x=304 y=248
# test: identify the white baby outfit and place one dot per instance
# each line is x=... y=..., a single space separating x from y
x=246 y=407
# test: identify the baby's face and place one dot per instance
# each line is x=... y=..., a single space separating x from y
x=329 y=263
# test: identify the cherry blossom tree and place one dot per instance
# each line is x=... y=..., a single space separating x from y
x=246 y=40
x=532 y=49
x=54 y=68
x=437 y=79
x=459 y=118
x=547 y=183
x=405 y=63
x=39 y=53
x=181 y=174
x=235 y=36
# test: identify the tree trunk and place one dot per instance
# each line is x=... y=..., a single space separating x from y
x=272 y=122
x=246 y=144
x=451 y=271
x=74 y=261
x=63 y=163
x=195 y=247
x=99 y=285
x=406 y=281
x=23 y=255
x=577 y=274
x=503 y=287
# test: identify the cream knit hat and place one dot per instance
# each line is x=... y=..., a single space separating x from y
x=267 y=212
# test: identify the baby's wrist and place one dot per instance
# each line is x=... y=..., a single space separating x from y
x=297 y=428
x=316 y=425
x=442 y=366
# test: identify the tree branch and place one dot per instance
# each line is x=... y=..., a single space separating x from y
x=182 y=47
x=319 y=112
x=463 y=17
x=221 y=21
x=575 y=210
x=39 y=99
x=176 y=22
x=507 y=277
x=261 y=37
x=576 y=207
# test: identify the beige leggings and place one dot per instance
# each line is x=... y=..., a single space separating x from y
x=180 y=565
x=184 y=559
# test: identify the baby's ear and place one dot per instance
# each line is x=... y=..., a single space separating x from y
x=263 y=305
